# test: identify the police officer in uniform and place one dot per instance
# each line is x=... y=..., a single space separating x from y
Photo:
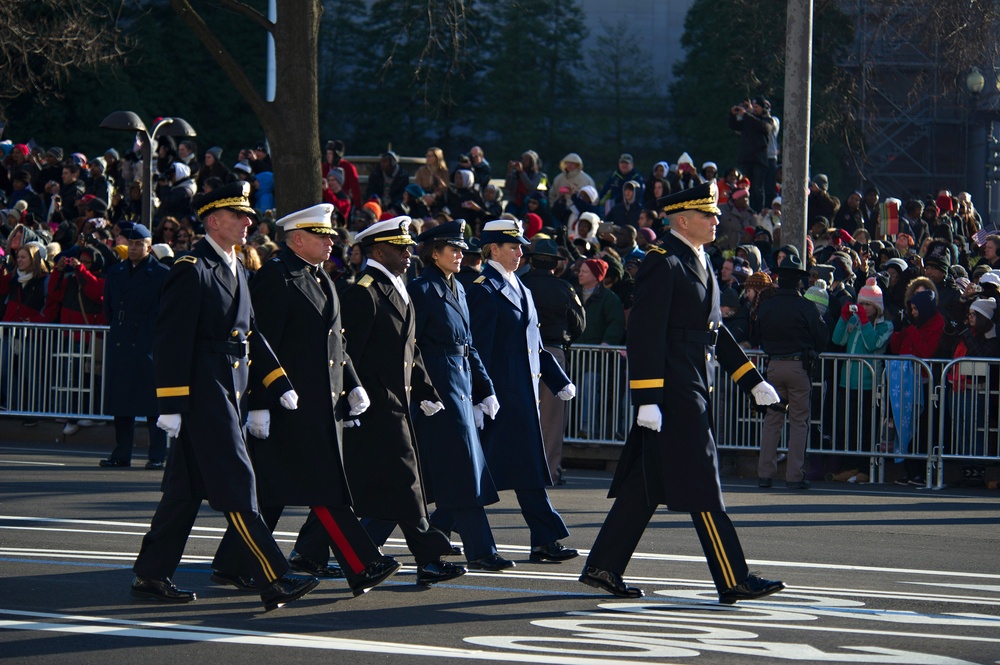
x=380 y=454
x=131 y=303
x=204 y=344
x=792 y=335
x=505 y=333
x=561 y=319
x=675 y=333
x=298 y=311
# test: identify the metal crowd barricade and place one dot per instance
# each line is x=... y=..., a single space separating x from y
x=878 y=408
x=52 y=370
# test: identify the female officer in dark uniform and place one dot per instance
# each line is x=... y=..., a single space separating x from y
x=456 y=478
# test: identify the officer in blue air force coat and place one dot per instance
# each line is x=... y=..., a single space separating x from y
x=131 y=303
x=204 y=344
x=505 y=333
x=455 y=476
x=675 y=333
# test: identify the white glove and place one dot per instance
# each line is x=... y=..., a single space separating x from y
x=170 y=423
x=567 y=393
x=489 y=407
x=290 y=400
x=358 y=399
x=765 y=394
x=430 y=408
x=649 y=416
x=352 y=423
x=477 y=413
x=259 y=423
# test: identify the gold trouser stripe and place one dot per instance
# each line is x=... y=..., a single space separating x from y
x=273 y=376
x=241 y=529
x=744 y=368
x=720 y=550
x=637 y=384
x=179 y=391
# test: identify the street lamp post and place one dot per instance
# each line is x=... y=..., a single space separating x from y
x=130 y=122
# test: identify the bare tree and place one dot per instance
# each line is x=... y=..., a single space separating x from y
x=43 y=41
x=290 y=122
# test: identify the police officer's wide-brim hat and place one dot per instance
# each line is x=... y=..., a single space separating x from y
x=545 y=247
x=503 y=230
x=235 y=196
x=792 y=265
x=450 y=233
x=395 y=231
x=703 y=198
x=314 y=219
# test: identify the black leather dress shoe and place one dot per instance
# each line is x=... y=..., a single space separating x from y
x=610 y=582
x=301 y=564
x=284 y=590
x=799 y=485
x=164 y=590
x=455 y=551
x=113 y=463
x=554 y=551
x=438 y=571
x=764 y=482
x=752 y=587
x=231 y=579
x=155 y=466
x=492 y=563
x=377 y=572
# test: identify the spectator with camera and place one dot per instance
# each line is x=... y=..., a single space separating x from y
x=523 y=178
x=611 y=193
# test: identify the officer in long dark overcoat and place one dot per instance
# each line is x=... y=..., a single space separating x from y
x=506 y=334
x=131 y=304
x=675 y=334
x=203 y=347
x=455 y=474
x=297 y=455
x=380 y=454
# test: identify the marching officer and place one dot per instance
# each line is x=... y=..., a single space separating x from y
x=297 y=310
x=380 y=454
x=561 y=319
x=505 y=332
x=792 y=335
x=131 y=303
x=204 y=344
x=456 y=478
x=675 y=333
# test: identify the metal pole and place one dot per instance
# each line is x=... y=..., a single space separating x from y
x=147 y=180
x=797 y=122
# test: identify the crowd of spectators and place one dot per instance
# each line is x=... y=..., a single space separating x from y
x=925 y=266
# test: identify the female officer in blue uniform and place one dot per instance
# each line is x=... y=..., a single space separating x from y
x=456 y=478
x=506 y=335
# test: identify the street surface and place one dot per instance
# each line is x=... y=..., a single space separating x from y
x=876 y=574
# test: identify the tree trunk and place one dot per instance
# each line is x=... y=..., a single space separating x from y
x=291 y=121
x=293 y=130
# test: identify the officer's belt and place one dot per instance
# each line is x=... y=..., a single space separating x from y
x=227 y=347
x=707 y=337
x=445 y=350
x=789 y=356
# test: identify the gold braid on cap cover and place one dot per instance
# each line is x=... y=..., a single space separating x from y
x=234 y=202
x=704 y=205
x=396 y=240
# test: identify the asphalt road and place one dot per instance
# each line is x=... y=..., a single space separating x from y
x=876 y=574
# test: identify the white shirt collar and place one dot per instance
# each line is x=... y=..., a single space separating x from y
x=228 y=259
x=698 y=250
x=511 y=277
x=396 y=281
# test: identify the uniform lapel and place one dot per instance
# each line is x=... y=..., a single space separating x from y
x=503 y=286
x=690 y=260
x=388 y=289
x=305 y=282
x=444 y=291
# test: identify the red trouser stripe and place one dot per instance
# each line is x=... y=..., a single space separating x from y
x=326 y=519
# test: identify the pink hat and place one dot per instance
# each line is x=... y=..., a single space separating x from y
x=870 y=293
x=648 y=233
x=533 y=224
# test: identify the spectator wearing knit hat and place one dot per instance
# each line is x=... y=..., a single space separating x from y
x=937 y=267
x=863 y=330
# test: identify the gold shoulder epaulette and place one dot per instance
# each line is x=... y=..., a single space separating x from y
x=479 y=280
x=187 y=258
x=365 y=281
x=654 y=248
